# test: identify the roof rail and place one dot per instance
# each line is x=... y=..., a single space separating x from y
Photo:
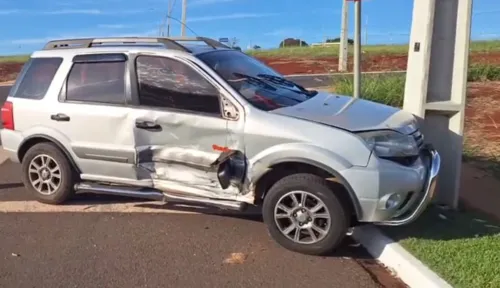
x=92 y=42
x=170 y=42
x=210 y=42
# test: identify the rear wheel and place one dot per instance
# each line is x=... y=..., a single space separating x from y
x=47 y=174
x=304 y=215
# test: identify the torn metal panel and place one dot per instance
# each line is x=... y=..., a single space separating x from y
x=195 y=190
x=186 y=175
x=191 y=151
x=231 y=169
x=196 y=168
x=190 y=156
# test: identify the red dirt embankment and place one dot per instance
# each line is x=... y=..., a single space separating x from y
x=288 y=66
x=8 y=71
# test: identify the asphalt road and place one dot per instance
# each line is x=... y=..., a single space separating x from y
x=85 y=249
x=4 y=90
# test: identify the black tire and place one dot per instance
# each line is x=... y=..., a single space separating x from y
x=65 y=190
x=317 y=186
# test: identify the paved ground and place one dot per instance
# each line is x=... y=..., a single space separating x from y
x=81 y=249
x=4 y=90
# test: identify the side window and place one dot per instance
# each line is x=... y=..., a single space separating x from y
x=168 y=83
x=37 y=75
x=97 y=81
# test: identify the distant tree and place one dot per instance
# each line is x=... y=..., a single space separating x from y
x=291 y=42
x=337 y=40
x=256 y=47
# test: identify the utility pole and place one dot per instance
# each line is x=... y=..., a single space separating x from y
x=183 y=25
x=357 y=49
x=169 y=14
x=366 y=30
x=343 y=49
x=166 y=19
x=436 y=84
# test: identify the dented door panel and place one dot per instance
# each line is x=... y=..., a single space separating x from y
x=185 y=150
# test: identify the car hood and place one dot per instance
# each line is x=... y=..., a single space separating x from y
x=350 y=113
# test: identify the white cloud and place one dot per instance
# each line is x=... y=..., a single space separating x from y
x=285 y=32
x=76 y=11
x=208 y=2
x=27 y=41
x=43 y=40
x=229 y=16
x=73 y=11
x=113 y=26
x=8 y=12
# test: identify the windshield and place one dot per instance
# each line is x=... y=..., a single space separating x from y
x=263 y=87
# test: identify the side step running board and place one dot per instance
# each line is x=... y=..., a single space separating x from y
x=157 y=195
x=143 y=193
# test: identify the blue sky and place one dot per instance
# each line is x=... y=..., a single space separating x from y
x=28 y=24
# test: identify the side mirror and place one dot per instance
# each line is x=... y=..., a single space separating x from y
x=229 y=111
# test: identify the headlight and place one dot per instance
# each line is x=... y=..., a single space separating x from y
x=388 y=143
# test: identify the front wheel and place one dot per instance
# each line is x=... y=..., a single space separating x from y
x=304 y=215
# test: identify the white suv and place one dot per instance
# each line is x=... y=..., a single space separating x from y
x=166 y=119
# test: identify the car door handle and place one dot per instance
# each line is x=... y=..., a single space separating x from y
x=147 y=125
x=59 y=117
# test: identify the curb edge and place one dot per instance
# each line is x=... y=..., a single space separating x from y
x=408 y=268
x=6 y=84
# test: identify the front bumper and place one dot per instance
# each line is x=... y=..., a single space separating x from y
x=418 y=207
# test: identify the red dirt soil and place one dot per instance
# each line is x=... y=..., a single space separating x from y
x=482 y=124
x=479 y=189
x=289 y=66
x=8 y=71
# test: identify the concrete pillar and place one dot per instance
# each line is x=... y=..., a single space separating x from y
x=344 y=45
x=436 y=83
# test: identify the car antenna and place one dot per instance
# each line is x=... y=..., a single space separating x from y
x=180 y=22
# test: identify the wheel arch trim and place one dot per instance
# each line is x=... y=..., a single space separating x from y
x=48 y=139
x=341 y=180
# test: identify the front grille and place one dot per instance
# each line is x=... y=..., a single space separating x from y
x=419 y=138
x=405 y=161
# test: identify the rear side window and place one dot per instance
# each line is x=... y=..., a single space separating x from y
x=36 y=77
x=96 y=81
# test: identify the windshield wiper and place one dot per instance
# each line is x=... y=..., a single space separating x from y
x=264 y=84
x=256 y=81
x=283 y=81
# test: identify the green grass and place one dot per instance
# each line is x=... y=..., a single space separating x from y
x=481 y=72
x=463 y=248
x=333 y=51
x=14 y=58
x=383 y=89
x=389 y=89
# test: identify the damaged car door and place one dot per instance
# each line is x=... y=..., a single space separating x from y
x=181 y=136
